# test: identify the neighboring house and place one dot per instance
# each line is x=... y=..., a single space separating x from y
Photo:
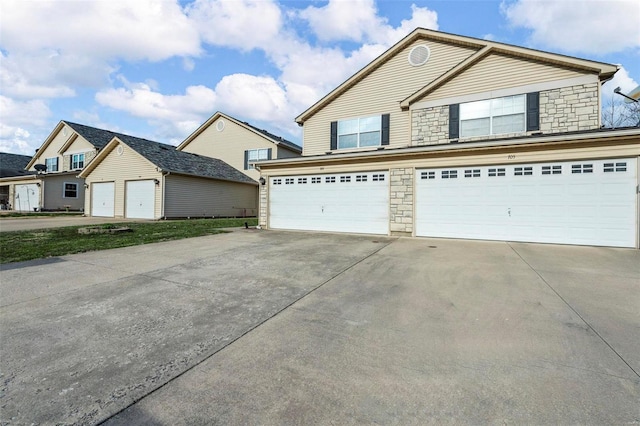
x=237 y=143
x=451 y=136
x=137 y=178
x=54 y=184
x=16 y=183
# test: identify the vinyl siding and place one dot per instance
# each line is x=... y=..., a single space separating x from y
x=197 y=197
x=79 y=145
x=283 y=152
x=120 y=168
x=381 y=92
x=499 y=72
x=54 y=190
x=54 y=146
x=229 y=145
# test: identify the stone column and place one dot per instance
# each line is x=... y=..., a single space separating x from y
x=401 y=202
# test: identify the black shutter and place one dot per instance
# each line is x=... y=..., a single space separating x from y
x=533 y=111
x=269 y=154
x=385 y=129
x=334 y=135
x=454 y=121
x=246 y=160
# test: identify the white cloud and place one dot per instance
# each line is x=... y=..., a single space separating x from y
x=141 y=29
x=586 y=26
x=358 y=20
x=242 y=24
x=15 y=137
x=140 y=100
x=621 y=79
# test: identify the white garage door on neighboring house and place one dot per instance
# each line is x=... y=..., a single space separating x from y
x=141 y=197
x=27 y=197
x=102 y=199
x=344 y=202
x=579 y=202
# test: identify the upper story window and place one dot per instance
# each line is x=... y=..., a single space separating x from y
x=52 y=164
x=361 y=132
x=77 y=161
x=509 y=114
x=493 y=116
x=253 y=155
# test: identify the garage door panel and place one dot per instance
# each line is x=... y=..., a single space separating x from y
x=140 y=199
x=103 y=199
x=349 y=202
x=27 y=197
x=577 y=203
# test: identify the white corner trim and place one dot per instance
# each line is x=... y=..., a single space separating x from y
x=519 y=90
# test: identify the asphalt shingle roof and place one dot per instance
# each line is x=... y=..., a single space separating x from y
x=97 y=137
x=14 y=165
x=168 y=159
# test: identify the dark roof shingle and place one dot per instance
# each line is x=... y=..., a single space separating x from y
x=168 y=159
x=14 y=165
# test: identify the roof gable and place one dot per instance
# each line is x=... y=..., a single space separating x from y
x=277 y=140
x=603 y=70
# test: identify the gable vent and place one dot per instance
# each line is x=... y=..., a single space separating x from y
x=220 y=125
x=419 y=55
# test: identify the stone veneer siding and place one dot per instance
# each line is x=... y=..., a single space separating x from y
x=401 y=201
x=561 y=110
x=262 y=213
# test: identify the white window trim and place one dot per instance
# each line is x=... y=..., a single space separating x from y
x=357 y=147
x=64 y=190
x=57 y=164
x=71 y=161
x=250 y=162
x=493 y=116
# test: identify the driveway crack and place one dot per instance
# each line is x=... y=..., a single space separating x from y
x=575 y=311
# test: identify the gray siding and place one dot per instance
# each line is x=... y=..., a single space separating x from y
x=196 y=197
x=54 y=193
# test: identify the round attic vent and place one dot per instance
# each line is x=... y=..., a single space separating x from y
x=220 y=125
x=419 y=55
x=119 y=150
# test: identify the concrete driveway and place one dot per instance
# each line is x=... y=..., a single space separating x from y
x=27 y=223
x=265 y=327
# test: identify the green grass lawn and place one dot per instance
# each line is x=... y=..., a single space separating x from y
x=36 y=244
x=38 y=214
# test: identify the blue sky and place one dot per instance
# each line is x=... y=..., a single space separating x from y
x=159 y=68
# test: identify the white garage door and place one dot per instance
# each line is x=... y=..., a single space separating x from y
x=349 y=202
x=141 y=197
x=102 y=199
x=27 y=197
x=581 y=202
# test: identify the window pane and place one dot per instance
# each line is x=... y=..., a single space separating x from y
x=477 y=127
x=253 y=155
x=370 y=124
x=508 y=124
x=508 y=105
x=347 y=141
x=346 y=127
x=263 y=154
x=472 y=110
x=370 y=139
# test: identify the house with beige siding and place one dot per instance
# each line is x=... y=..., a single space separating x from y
x=141 y=179
x=447 y=136
x=237 y=143
x=52 y=182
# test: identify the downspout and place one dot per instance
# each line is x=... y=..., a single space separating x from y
x=163 y=194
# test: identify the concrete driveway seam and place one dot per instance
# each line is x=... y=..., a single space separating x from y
x=249 y=330
x=575 y=311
